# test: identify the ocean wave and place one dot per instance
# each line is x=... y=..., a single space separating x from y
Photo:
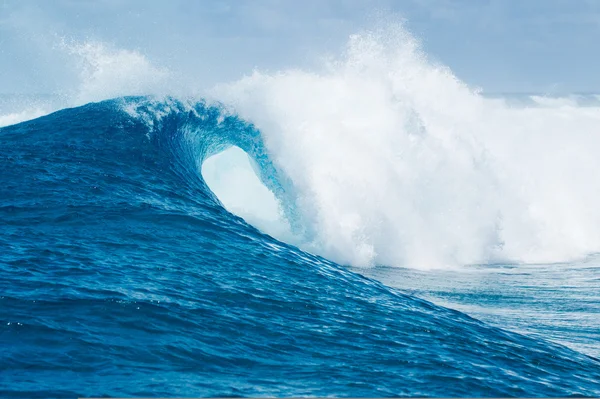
x=119 y=259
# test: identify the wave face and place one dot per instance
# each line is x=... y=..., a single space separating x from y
x=123 y=275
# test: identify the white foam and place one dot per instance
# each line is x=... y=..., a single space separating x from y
x=24 y=115
x=555 y=102
x=395 y=161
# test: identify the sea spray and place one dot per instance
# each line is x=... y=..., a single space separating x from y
x=397 y=162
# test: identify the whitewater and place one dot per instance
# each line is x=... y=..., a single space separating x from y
x=396 y=162
x=298 y=232
x=389 y=158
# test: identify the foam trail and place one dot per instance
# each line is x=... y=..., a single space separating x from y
x=395 y=161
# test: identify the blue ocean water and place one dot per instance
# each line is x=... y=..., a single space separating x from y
x=121 y=274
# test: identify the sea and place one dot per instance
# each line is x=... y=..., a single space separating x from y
x=375 y=228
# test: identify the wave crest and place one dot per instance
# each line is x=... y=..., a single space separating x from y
x=395 y=161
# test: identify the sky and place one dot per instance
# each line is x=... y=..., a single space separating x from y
x=542 y=46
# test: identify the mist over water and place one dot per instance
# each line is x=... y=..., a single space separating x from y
x=99 y=71
x=394 y=161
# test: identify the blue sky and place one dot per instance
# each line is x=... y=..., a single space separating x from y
x=550 y=46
